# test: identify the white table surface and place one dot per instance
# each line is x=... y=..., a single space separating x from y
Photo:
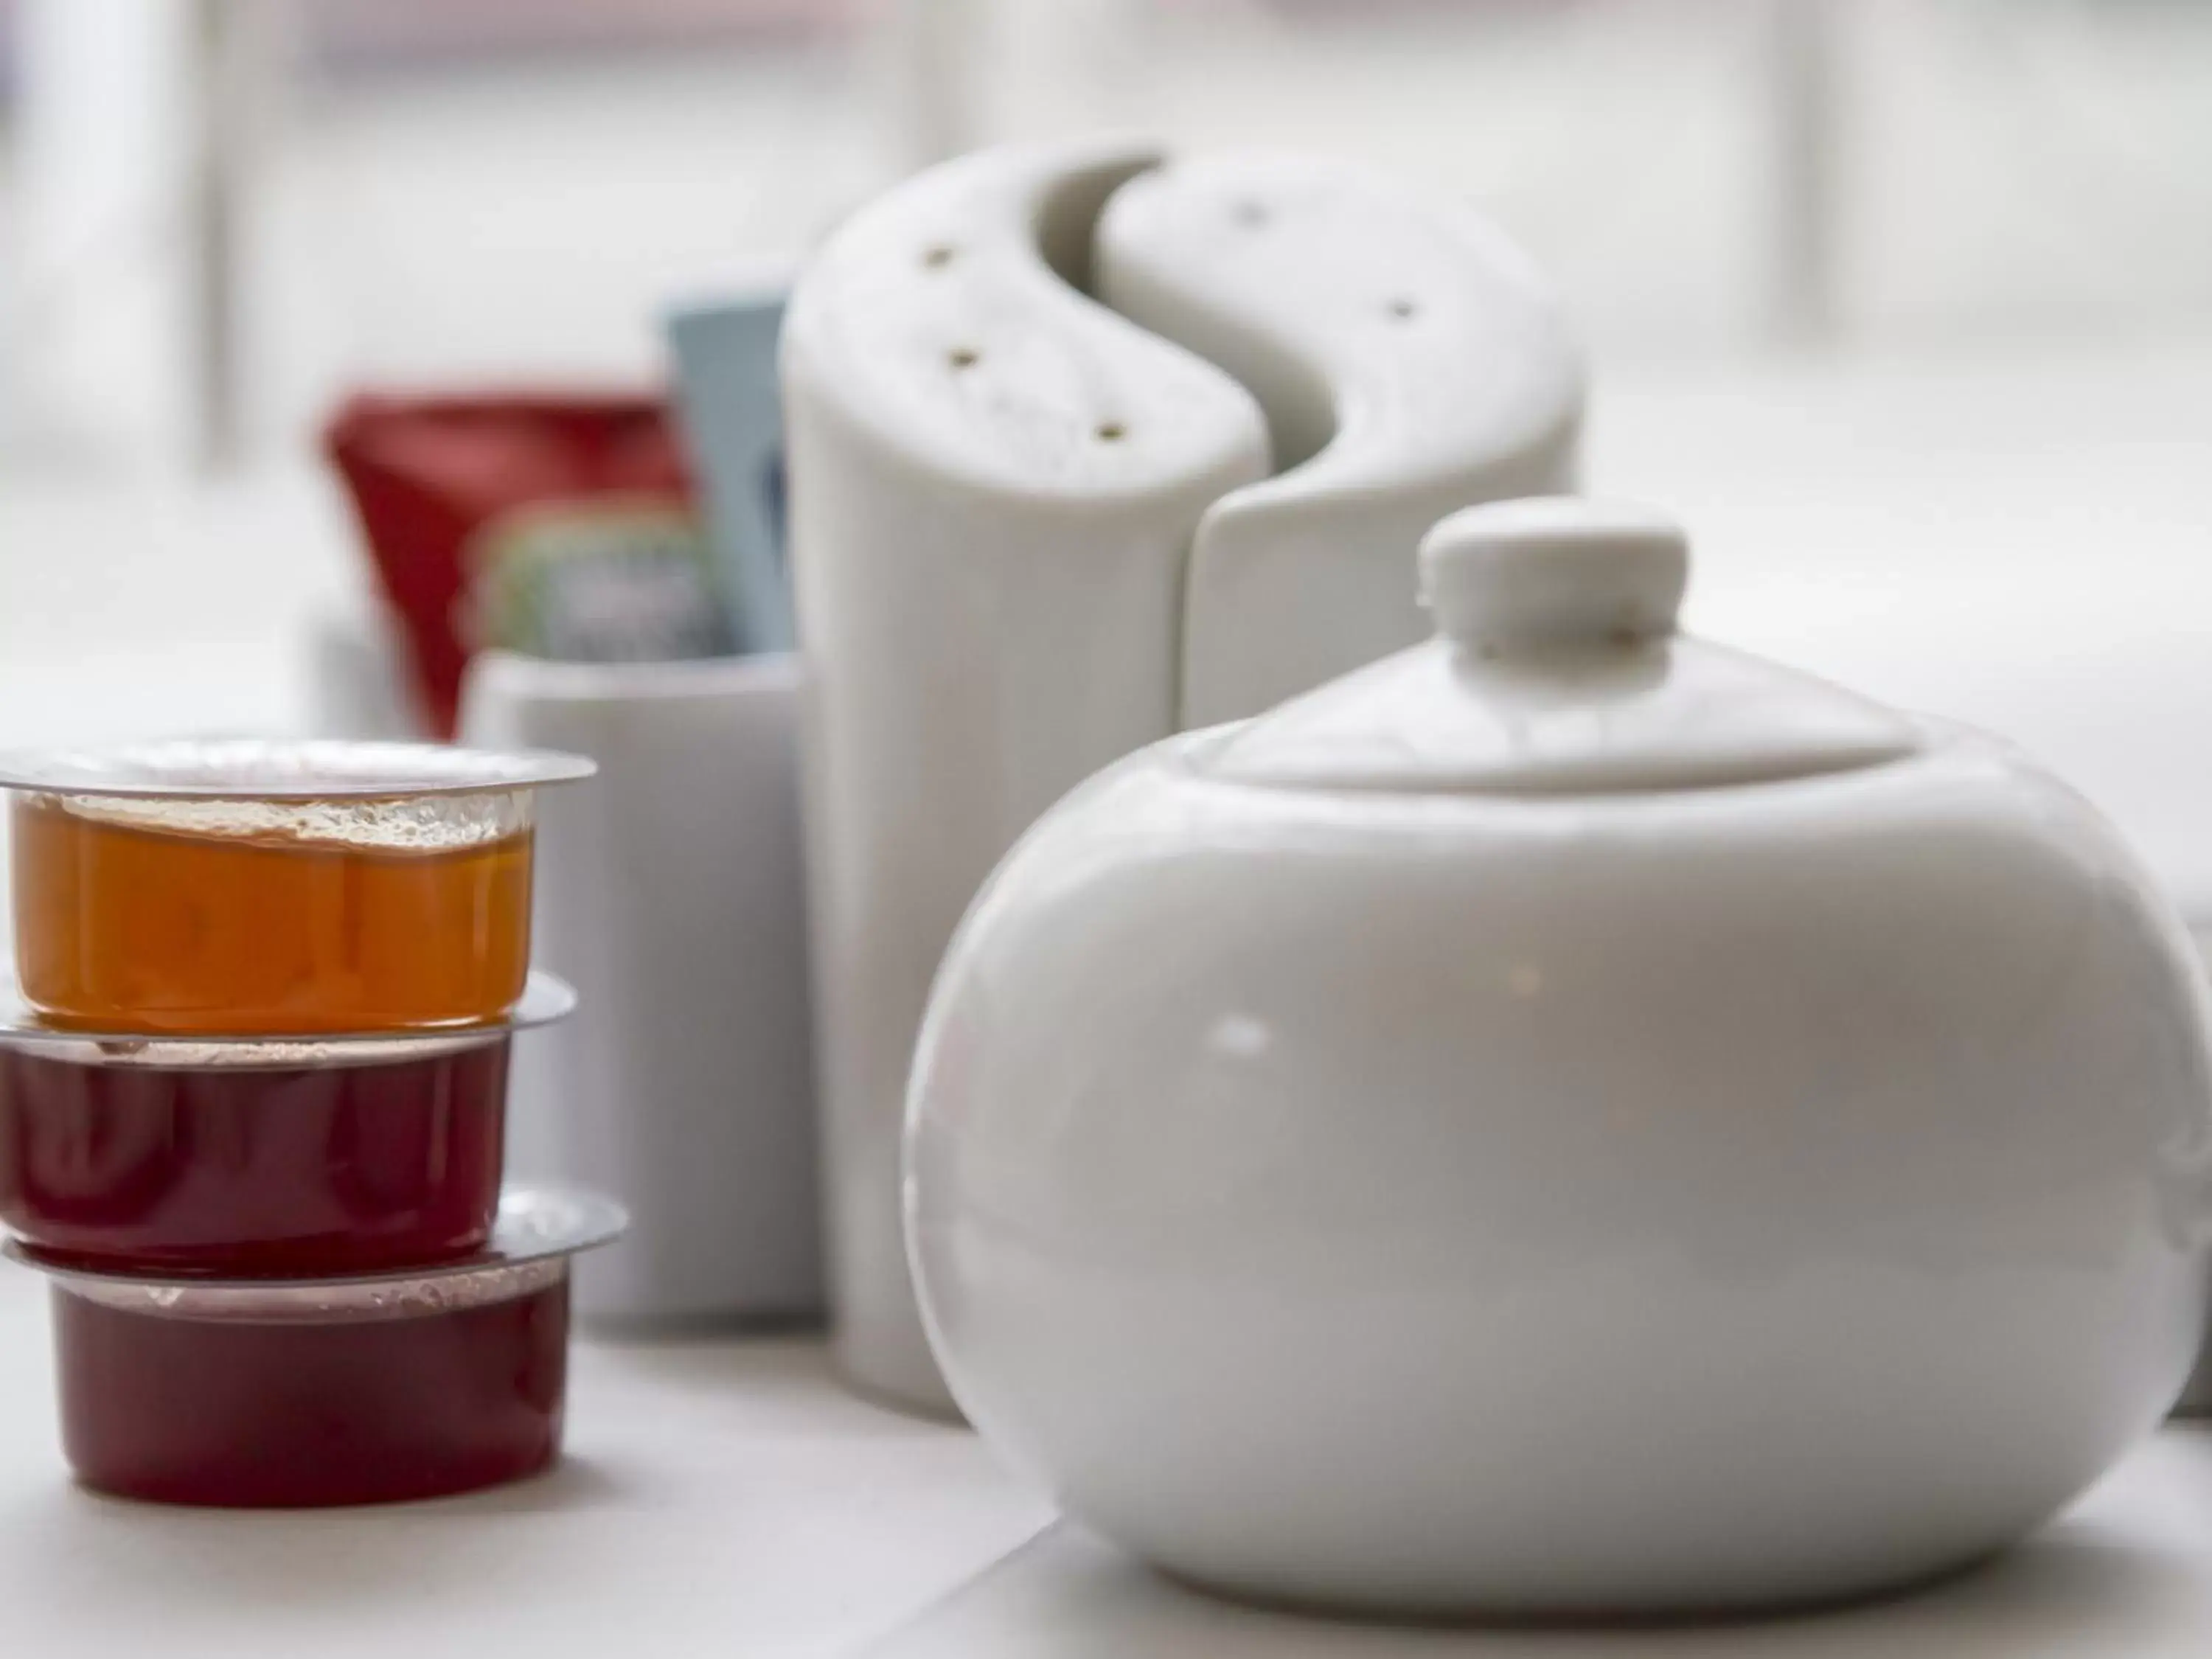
x=2127 y=1575
x=721 y=1497
x=725 y=1497
x=2026 y=545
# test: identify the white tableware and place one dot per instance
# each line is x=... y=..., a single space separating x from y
x=671 y=889
x=1569 y=1119
x=1028 y=535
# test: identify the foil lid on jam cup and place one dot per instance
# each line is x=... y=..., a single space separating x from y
x=539 y=1229
x=315 y=1393
x=259 y=886
x=235 y=1156
x=546 y=998
x=245 y=769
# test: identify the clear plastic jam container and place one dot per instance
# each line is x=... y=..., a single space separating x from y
x=308 y=1393
x=250 y=1156
x=264 y=887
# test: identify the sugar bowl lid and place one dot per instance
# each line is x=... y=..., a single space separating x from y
x=1556 y=669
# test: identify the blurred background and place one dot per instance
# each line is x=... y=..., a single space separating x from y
x=218 y=213
x=1907 y=304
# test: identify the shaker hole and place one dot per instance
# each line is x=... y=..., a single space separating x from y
x=939 y=256
x=1403 y=309
x=963 y=357
x=1250 y=214
x=1112 y=432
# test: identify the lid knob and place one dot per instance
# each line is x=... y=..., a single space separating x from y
x=1554 y=572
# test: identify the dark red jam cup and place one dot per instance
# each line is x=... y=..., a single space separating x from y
x=312 y=1394
x=240 y=1157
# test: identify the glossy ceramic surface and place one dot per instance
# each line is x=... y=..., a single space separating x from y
x=1030 y=534
x=1409 y=359
x=1450 y=1196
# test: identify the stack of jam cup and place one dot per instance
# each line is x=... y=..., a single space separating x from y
x=252 y=1100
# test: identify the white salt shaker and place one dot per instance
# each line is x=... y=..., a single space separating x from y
x=1029 y=535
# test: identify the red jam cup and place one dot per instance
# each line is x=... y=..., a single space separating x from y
x=267 y=887
x=240 y=1156
x=314 y=1393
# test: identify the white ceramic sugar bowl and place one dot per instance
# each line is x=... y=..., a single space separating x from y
x=1567 y=1119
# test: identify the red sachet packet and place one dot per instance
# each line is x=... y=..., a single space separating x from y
x=562 y=526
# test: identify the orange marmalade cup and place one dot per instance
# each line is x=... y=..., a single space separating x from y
x=247 y=887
